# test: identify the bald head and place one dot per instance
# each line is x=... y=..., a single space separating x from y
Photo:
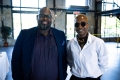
x=82 y=17
x=45 y=10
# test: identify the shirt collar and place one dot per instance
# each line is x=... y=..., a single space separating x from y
x=89 y=37
x=50 y=33
x=88 y=40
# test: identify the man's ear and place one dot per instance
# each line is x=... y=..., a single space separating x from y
x=37 y=17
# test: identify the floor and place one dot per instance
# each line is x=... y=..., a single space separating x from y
x=112 y=73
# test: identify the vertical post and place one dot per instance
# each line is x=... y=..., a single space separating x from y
x=54 y=6
x=1 y=3
x=96 y=18
x=118 y=42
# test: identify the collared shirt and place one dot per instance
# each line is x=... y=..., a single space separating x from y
x=82 y=41
x=91 y=61
x=45 y=58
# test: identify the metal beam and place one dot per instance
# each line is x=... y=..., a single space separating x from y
x=108 y=12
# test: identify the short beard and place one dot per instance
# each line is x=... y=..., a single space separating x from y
x=43 y=26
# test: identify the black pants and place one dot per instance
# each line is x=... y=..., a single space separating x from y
x=88 y=78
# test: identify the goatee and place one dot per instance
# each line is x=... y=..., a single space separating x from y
x=44 y=27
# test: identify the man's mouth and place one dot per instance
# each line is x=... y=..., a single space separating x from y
x=79 y=30
x=44 y=22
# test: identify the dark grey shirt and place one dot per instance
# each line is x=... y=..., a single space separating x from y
x=45 y=58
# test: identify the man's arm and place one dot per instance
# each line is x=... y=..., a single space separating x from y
x=69 y=55
x=16 y=64
x=103 y=57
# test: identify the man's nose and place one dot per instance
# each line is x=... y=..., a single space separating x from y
x=80 y=26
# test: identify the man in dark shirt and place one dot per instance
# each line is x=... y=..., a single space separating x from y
x=40 y=52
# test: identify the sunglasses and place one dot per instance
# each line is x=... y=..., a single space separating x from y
x=82 y=24
x=44 y=15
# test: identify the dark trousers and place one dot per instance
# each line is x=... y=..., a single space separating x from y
x=88 y=78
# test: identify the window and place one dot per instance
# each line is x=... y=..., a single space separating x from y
x=70 y=26
x=24 y=15
x=23 y=21
x=32 y=5
x=110 y=26
x=75 y=2
x=71 y=17
x=110 y=4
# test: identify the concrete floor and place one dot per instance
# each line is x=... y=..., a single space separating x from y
x=112 y=73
